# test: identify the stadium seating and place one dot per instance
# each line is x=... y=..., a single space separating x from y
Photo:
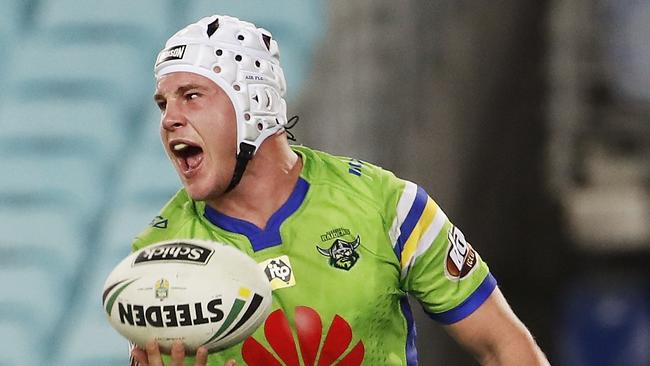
x=83 y=167
x=41 y=237
x=46 y=67
x=149 y=177
x=35 y=293
x=20 y=350
x=95 y=343
x=71 y=182
x=11 y=20
x=142 y=23
x=13 y=16
x=77 y=350
x=92 y=129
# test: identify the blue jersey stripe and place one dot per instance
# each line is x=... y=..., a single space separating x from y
x=411 y=220
x=411 y=349
x=476 y=299
x=270 y=236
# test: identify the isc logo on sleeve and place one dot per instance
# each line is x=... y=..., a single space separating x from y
x=279 y=272
x=461 y=257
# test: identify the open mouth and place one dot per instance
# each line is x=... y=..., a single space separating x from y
x=188 y=155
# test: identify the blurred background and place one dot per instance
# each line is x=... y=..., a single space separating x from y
x=527 y=120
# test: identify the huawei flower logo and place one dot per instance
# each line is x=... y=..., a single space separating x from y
x=309 y=329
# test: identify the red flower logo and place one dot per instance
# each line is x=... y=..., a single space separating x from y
x=309 y=329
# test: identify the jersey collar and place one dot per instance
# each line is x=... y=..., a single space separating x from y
x=269 y=236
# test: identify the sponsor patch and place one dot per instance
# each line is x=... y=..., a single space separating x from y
x=178 y=252
x=279 y=272
x=461 y=257
x=172 y=53
x=309 y=327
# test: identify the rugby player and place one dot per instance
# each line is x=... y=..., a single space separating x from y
x=342 y=241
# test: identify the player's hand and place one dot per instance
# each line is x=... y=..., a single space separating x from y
x=150 y=356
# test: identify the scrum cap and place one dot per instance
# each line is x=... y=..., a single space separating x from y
x=244 y=61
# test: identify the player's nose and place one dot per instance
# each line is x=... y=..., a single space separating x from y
x=173 y=118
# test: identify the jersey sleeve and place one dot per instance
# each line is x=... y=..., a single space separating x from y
x=438 y=265
x=171 y=219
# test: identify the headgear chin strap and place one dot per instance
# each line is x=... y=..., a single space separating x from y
x=244 y=61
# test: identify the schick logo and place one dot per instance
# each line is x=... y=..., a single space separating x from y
x=181 y=252
x=172 y=53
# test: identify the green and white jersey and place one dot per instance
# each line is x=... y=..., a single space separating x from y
x=342 y=253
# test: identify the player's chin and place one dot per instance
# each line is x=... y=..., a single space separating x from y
x=203 y=190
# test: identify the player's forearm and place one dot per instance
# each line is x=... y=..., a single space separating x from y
x=518 y=349
x=495 y=336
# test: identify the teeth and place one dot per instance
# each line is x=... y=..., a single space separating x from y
x=180 y=147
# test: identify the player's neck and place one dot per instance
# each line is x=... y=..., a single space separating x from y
x=268 y=182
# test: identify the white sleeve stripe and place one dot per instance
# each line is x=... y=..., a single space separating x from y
x=403 y=208
x=427 y=238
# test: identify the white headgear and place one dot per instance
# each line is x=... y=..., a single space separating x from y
x=241 y=59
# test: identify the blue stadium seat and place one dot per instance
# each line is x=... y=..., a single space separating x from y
x=94 y=342
x=149 y=134
x=126 y=222
x=12 y=19
x=12 y=16
x=62 y=126
x=144 y=23
x=149 y=179
x=75 y=183
x=17 y=347
x=36 y=293
x=45 y=66
x=41 y=237
x=92 y=324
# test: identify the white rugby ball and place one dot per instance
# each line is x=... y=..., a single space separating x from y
x=199 y=292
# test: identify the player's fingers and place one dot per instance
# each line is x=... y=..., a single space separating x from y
x=178 y=354
x=201 y=358
x=153 y=354
x=140 y=356
x=229 y=363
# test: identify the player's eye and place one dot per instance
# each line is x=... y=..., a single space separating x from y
x=192 y=95
x=161 y=105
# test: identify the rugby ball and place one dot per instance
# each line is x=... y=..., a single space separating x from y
x=199 y=292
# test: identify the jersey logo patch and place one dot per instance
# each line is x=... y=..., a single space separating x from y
x=461 y=257
x=159 y=222
x=279 y=272
x=308 y=328
x=342 y=254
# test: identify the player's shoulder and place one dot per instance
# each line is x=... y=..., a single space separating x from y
x=347 y=173
x=171 y=219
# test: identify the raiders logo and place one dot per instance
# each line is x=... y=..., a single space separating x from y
x=342 y=254
x=461 y=257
